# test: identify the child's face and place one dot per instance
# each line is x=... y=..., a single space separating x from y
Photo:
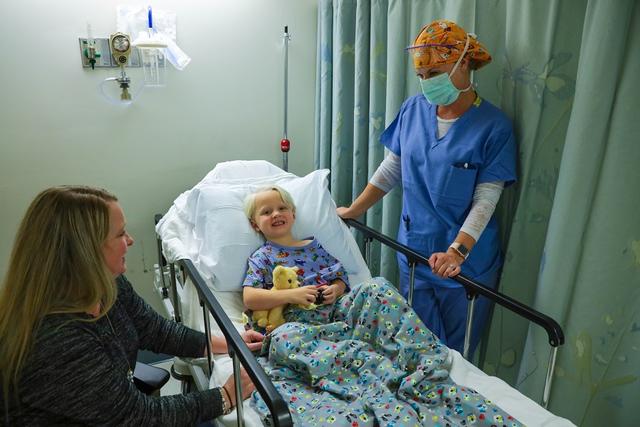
x=273 y=218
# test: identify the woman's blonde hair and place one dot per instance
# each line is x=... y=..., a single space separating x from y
x=56 y=266
x=250 y=200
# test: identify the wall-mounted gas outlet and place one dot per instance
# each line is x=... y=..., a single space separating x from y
x=102 y=54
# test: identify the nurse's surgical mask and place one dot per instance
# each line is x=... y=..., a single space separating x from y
x=440 y=90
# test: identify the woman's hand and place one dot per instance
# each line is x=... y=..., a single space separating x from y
x=245 y=382
x=218 y=345
x=253 y=339
x=304 y=295
x=445 y=264
x=330 y=293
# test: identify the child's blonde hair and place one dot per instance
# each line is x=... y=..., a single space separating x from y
x=250 y=200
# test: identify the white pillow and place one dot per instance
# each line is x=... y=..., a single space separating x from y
x=223 y=237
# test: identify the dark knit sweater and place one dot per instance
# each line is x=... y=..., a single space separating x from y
x=76 y=373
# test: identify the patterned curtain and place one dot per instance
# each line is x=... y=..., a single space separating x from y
x=565 y=72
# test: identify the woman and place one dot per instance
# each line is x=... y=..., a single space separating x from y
x=454 y=152
x=71 y=324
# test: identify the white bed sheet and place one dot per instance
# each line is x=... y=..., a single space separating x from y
x=506 y=397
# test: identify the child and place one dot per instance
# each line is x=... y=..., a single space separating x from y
x=368 y=357
x=271 y=212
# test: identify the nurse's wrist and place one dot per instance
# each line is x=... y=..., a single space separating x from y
x=458 y=256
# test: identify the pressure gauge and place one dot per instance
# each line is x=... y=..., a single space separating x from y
x=120 y=44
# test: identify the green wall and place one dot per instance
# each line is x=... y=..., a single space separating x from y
x=55 y=127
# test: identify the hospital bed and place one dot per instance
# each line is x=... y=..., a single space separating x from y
x=205 y=230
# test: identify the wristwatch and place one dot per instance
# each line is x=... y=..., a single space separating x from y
x=461 y=249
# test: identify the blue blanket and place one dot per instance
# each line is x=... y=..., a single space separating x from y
x=368 y=360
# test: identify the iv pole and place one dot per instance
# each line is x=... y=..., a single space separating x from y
x=285 y=144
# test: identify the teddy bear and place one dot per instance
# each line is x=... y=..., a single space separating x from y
x=283 y=278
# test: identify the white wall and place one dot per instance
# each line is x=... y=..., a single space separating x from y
x=55 y=128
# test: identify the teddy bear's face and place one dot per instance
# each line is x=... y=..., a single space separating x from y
x=285 y=277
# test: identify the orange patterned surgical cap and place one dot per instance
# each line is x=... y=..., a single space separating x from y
x=442 y=42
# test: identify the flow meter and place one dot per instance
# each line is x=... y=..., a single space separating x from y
x=120 y=45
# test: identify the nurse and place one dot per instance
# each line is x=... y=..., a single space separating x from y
x=453 y=152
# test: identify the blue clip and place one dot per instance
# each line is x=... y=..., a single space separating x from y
x=150 y=18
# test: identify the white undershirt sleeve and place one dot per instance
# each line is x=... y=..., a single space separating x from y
x=485 y=199
x=388 y=174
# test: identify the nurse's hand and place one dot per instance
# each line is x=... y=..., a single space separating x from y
x=445 y=264
x=369 y=196
x=344 y=212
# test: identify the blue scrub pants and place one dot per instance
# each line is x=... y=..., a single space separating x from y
x=444 y=311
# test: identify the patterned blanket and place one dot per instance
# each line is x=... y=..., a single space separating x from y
x=368 y=360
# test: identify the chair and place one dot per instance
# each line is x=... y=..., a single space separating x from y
x=150 y=379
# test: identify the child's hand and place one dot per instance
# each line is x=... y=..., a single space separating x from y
x=304 y=295
x=333 y=291
x=253 y=339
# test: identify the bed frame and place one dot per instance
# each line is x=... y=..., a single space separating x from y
x=241 y=355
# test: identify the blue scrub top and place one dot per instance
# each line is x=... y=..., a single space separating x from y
x=439 y=177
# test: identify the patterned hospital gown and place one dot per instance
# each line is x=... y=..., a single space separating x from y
x=316 y=265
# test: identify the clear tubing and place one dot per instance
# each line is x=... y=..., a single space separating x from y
x=117 y=101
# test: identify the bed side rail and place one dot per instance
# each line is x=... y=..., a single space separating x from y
x=162 y=262
x=554 y=331
x=238 y=351
x=473 y=289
